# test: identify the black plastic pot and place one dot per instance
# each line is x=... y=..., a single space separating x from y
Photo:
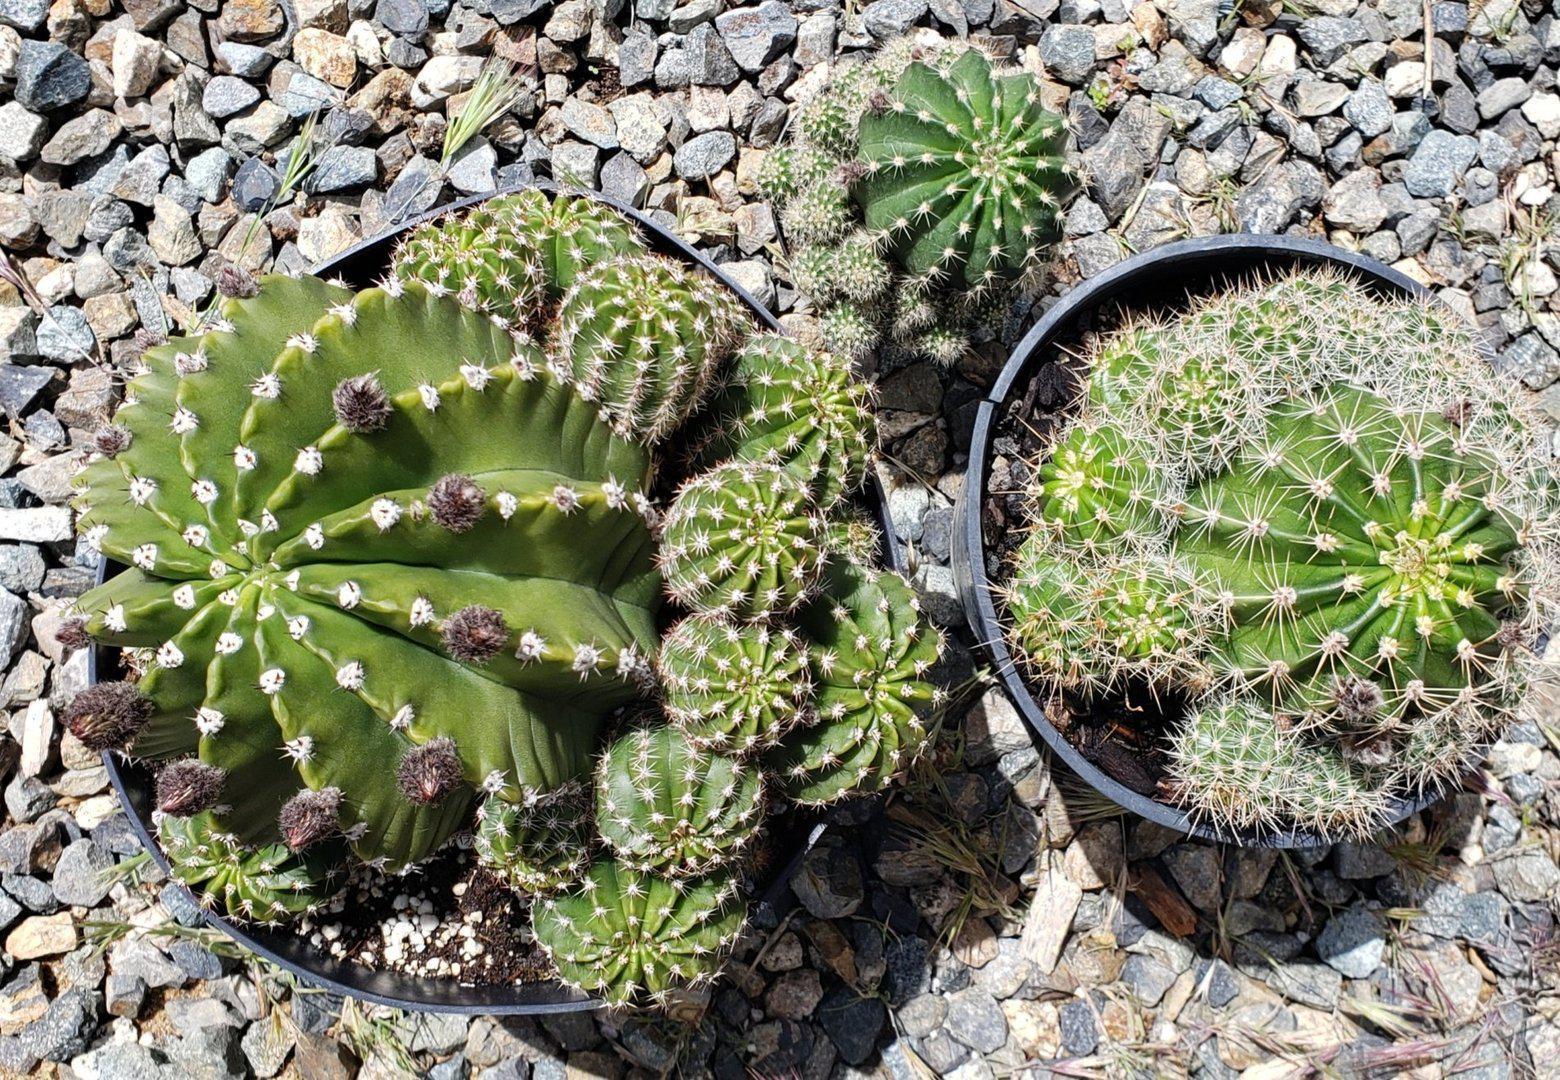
x=1152 y=281
x=361 y=266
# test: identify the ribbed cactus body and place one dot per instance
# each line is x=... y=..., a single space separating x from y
x=335 y=582
x=642 y=338
x=622 y=933
x=515 y=255
x=266 y=884
x=799 y=408
x=742 y=539
x=966 y=172
x=871 y=654
x=666 y=806
x=539 y=848
x=1099 y=492
x=733 y=688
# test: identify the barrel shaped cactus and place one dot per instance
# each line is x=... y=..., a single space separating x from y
x=539 y=847
x=1321 y=520
x=335 y=577
x=621 y=933
x=734 y=687
x=664 y=805
x=965 y=172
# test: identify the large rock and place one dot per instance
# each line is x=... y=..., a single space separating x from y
x=49 y=76
x=756 y=35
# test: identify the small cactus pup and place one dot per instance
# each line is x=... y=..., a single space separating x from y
x=800 y=408
x=734 y=688
x=743 y=539
x=966 y=172
x=871 y=652
x=380 y=560
x=538 y=847
x=628 y=935
x=514 y=256
x=1324 y=522
x=266 y=883
x=663 y=805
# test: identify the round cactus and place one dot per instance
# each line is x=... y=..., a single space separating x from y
x=799 y=408
x=853 y=536
x=324 y=570
x=966 y=172
x=857 y=270
x=786 y=170
x=848 y=331
x=515 y=255
x=871 y=652
x=816 y=214
x=266 y=884
x=538 y=848
x=1097 y=491
x=742 y=539
x=733 y=688
x=664 y=805
x=642 y=337
x=624 y=934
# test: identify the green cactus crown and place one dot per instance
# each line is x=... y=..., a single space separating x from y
x=1304 y=509
x=394 y=571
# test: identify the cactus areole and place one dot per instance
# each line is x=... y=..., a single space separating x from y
x=394 y=572
x=1295 y=537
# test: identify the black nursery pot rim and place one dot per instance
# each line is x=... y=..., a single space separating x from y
x=1200 y=259
x=361 y=265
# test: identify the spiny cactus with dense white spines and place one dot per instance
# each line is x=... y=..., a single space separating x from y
x=743 y=539
x=664 y=805
x=264 y=883
x=962 y=192
x=1369 y=508
x=326 y=566
x=516 y=255
x=734 y=688
x=623 y=933
x=871 y=654
x=799 y=408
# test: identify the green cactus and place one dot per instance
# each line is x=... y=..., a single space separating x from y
x=642 y=337
x=785 y=170
x=665 y=806
x=325 y=568
x=849 y=332
x=267 y=884
x=733 y=688
x=966 y=173
x=744 y=539
x=515 y=255
x=816 y=214
x=871 y=653
x=624 y=934
x=1360 y=564
x=538 y=848
x=803 y=409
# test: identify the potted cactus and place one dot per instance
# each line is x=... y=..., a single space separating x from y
x=412 y=585
x=1266 y=549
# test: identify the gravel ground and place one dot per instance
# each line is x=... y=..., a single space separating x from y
x=993 y=919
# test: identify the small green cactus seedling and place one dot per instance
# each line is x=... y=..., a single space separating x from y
x=1323 y=507
x=733 y=688
x=642 y=337
x=514 y=256
x=847 y=329
x=624 y=934
x=744 y=539
x=871 y=653
x=966 y=174
x=541 y=847
x=267 y=884
x=664 y=805
x=799 y=408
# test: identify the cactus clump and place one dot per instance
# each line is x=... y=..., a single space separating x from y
x=622 y=933
x=264 y=883
x=663 y=805
x=1320 y=506
x=966 y=173
x=733 y=688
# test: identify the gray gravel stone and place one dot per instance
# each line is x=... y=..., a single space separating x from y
x=1437 y=164
x=1369 y=109
x=885 y=19
x=28 y=16
x=226 y=95
x=1068 y=53
x=49 y=76
x=852 y=1023
x=343 y=168
x=1080 y=1033
x=1352 y=943
x=757 y=35
x=705 y=155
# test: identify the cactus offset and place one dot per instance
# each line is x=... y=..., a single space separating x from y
x=965 y=172
x=336 y=592
x=624 y=934
x=665 y=806
x=266 y=883
x=538 y=848
x=871 y=653
x=1097 y=491
x=733 y=688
